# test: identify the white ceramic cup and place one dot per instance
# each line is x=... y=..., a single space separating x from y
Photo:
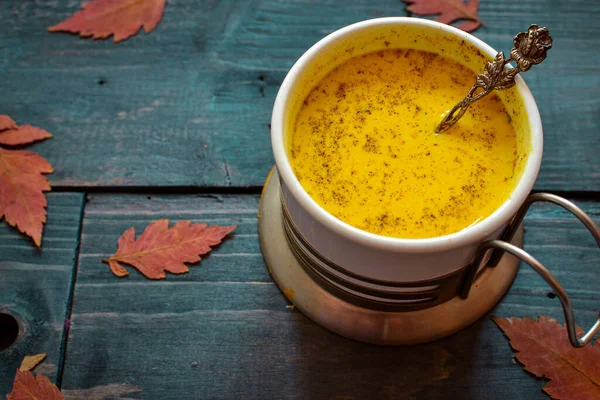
x=367 y=254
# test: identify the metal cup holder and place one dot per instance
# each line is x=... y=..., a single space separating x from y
x=502 y=245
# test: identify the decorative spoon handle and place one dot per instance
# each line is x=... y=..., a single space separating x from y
x=530 y=48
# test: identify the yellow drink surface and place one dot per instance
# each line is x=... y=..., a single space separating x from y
x=364 y=146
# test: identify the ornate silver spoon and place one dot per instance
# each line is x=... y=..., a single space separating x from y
x=530 y=49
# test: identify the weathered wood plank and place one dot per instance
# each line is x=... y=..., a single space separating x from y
x=189 y=104
x=35 y=287
x=223 y=330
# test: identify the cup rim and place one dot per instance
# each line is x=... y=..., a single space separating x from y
x=469 y=235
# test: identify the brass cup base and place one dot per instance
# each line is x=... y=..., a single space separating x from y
x=362 y=324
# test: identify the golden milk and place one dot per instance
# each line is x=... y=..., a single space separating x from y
x=364 y=146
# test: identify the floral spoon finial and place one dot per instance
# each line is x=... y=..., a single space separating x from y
x=530 y=49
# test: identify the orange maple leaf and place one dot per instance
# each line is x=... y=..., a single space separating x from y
x=7 y=122
x=23 y=134
x=28 y=387
x=22 y=201
x=121 y=18
x=448 y=11
x=544 y=349
x=161 y=248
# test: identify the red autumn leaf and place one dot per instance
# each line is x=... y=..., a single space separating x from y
x=121 y=18
x=22 y=201
x=448 y=11
x=161 y=248
x=7 y=122
x=23 y=134
x=544 y=349
x=28 y=387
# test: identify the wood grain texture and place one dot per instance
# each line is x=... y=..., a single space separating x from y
x=223 y=330
x=189 y=105
x=35 y=287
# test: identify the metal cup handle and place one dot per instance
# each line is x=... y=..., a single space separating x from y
x=503 y=245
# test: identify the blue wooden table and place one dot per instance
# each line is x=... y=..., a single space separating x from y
x=175 y=125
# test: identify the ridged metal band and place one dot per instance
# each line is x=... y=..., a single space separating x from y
x=368 y=292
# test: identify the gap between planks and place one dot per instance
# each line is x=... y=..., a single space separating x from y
x=246 y=190
x=158 y=190
x=67 y=325
x=102 y=256
x=164 y=282
x=174 y=212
